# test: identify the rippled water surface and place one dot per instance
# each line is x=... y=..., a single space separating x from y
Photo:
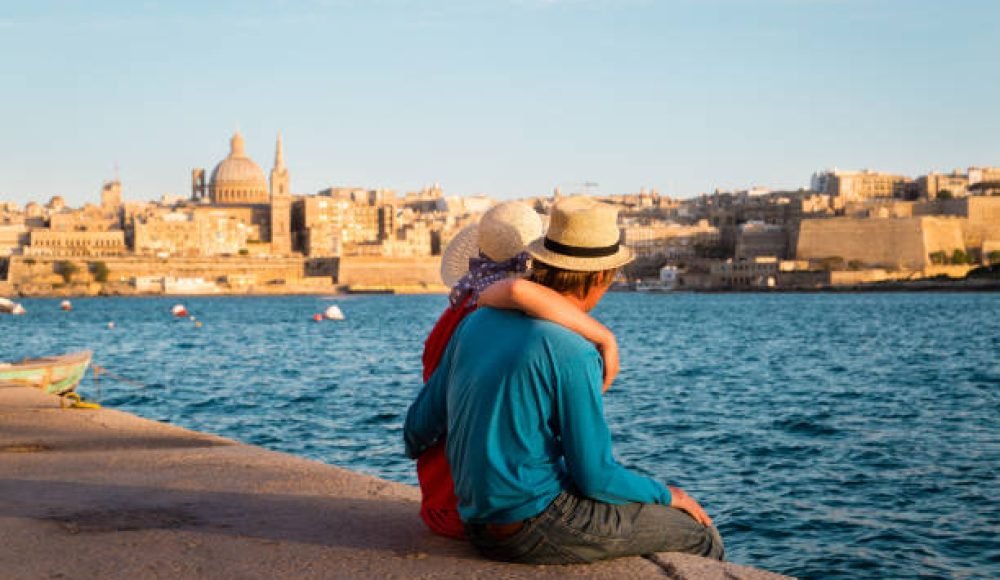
x=851 y=435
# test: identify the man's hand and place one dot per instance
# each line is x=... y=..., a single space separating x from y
x=681 y=500
x=608 y=347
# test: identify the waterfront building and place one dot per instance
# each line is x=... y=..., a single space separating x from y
x=343 y=219
x=760 y=272
x=33 y=210
x=880 y=208
x=56 y=203
x=90 y=218
x=427 y=200
x=10 y=214
x=818 y=203
x=349 y=221
x=111 y=195
x=238 y=189
x=668 y=277
x=193 y=232
x=45 y=242
x=12 y=237
x=984 y=175
x=668 y=240
x=866 y=184
x=934 y=185
x=471 y=205
x=57 y=230
x=757 y=239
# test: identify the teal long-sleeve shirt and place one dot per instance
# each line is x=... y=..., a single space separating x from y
x=520 y=400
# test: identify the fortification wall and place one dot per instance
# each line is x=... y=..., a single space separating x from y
x=983 y=230
x=390 y=272
x=902 y=243
x=892 y=243
x=943 y=234
x=771 y=242
x=122 y=269
x=983 y=210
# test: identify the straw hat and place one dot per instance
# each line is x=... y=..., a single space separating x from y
x=583 y=236
x=455 y=257
x=503 y=232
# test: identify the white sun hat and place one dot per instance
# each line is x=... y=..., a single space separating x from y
x=504 y=231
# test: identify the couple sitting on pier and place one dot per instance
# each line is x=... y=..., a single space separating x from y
x=512 y=401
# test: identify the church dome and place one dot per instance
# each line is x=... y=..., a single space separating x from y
x=237 y=179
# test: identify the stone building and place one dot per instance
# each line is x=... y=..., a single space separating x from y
x=955 y=184
x=427 y=200
x=111 y=195
x=237 y=179
x=12 y=237
x=862 y=185
x=984 y=175
x=238 y=189
x=90 y=218
x=33 y=210
x=194 y=232
x=344 y=221
x=44 y=242
x=757 y=273
x=668 y=240
x=757 y=239
x=56 y=203
x=57 y=230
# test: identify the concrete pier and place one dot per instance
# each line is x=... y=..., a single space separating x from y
x=105 y=494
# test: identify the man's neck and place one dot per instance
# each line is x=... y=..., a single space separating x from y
x=575 y=300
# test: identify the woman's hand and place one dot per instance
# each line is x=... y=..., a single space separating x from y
x=608 y=347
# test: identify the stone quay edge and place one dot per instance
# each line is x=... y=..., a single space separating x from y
x=105 y=494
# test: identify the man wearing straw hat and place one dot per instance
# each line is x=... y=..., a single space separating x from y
x=483 y=265
x=530 y=450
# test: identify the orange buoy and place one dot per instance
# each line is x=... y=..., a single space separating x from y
x=317 y=317
x=179 y=311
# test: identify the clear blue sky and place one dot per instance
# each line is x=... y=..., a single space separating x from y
x=504 y=97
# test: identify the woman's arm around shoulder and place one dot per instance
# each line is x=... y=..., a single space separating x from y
x=542 y=302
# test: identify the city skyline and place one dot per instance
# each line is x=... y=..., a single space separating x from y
x=504 y=98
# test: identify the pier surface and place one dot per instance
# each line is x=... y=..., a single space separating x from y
x=105 y=494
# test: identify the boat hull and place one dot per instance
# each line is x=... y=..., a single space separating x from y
x=56 y=375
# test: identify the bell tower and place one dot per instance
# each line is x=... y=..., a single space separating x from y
x=281 y=204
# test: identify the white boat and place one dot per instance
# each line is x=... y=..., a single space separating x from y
x=333 y=313
x=653 y=287
x=8 y=306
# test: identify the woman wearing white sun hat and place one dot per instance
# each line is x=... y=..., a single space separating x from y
x=483 y=264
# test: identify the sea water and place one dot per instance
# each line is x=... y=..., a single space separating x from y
x=829 y=435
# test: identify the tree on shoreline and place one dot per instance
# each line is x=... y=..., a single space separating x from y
x=66 y=269
x=100 y=271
